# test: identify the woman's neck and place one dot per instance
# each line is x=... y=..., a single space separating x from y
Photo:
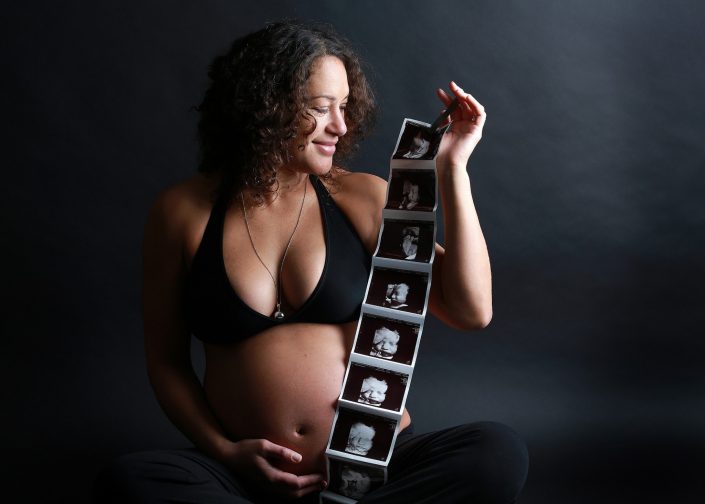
x=289 y=183
x=290 y=180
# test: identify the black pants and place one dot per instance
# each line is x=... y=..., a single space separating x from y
x=478 y=463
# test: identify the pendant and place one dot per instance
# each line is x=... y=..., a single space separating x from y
x=278 y=313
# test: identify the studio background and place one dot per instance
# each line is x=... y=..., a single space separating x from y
x=589 y=185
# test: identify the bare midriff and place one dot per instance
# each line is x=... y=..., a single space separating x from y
x=282 y=385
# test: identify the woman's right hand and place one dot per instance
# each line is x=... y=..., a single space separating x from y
x=257 y=460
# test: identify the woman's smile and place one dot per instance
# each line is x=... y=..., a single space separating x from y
x=325 y=148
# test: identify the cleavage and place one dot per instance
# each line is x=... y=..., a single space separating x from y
x=304 y=264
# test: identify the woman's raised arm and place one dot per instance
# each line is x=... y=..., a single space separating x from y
x=461 y=291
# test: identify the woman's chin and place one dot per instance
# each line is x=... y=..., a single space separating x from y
x=323 y=169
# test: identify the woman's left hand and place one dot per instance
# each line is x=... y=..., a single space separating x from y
x=465 y=131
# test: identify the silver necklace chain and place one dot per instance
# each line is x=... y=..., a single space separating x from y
x=278 y=314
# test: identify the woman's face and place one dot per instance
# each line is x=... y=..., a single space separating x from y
x=326 y=98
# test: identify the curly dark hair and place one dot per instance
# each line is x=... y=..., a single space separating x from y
x=255 y=104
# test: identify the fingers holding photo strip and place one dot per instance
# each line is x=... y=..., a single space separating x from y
x=468 y=108
x=465 y=133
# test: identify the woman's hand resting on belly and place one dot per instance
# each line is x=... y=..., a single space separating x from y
x=261 y=461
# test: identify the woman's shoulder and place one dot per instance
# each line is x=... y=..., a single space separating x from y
x=179 y=208
x=359 y=188
x=361 y=196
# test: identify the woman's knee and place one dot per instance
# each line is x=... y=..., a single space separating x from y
x=112 y=483
x=494 y=462
x=128 y=478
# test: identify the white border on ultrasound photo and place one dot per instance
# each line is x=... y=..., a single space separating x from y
x=327 y=497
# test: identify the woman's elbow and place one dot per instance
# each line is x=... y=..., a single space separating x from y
x=471 y=320
x=484 y=319
x=480 y=320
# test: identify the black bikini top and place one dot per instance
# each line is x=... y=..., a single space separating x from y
x=216 y=314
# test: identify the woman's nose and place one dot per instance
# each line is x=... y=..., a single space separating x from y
x=337 y=124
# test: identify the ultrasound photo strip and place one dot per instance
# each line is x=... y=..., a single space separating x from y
x=378 y=376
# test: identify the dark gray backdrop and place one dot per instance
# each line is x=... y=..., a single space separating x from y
x=589 y=184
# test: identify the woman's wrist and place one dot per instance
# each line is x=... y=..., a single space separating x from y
x=451 y=177
x=220 y=448
x=444 y=166
x=225 y=449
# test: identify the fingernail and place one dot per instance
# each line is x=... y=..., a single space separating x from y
x=296 y=457
x=324 y=484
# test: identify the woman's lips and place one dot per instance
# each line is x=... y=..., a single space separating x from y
x=327 y=148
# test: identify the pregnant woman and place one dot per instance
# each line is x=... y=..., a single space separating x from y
x=264 y=256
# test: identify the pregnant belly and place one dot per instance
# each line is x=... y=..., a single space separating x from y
x=281 y=385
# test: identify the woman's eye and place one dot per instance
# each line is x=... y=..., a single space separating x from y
x=321 y=111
